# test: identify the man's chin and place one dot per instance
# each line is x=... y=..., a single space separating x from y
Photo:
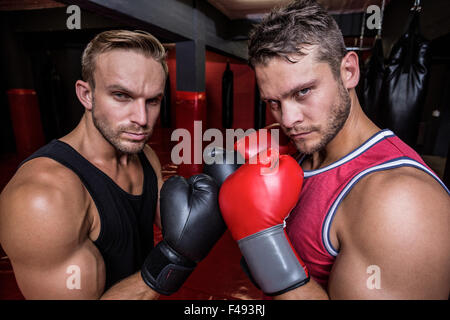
x=131 y=147
x=307 y=148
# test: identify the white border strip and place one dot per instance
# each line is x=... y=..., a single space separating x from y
x=387 y=165
x=369 y=143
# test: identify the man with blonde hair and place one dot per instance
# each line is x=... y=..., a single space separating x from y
x=76 y=220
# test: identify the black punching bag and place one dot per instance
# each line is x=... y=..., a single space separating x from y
x=404 y=89
x=260 y=110
x=227 y=98
x=373 y=81
x=166 y=106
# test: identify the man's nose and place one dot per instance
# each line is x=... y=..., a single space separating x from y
x=291 y=114
x=139 y=113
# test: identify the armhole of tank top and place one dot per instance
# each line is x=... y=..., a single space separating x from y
x=86 y=186
x=97 y=204
x=391 y=164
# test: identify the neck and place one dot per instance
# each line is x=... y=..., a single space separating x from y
x=356 y=130
x=90 y=143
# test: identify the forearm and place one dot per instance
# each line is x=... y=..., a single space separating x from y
x=310 y=291
x=130 y=288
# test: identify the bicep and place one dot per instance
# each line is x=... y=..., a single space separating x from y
x=77 y=274
x=46 y=240
x=391 y=274
x=355 y=276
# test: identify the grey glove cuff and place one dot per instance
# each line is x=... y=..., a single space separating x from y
x=272 y=261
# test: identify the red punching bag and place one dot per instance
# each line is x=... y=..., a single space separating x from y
x=191 y=115
x=26 y=121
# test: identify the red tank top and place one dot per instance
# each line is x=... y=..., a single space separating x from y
x=308 y=225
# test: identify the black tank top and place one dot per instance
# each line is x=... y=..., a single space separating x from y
x=126 y=232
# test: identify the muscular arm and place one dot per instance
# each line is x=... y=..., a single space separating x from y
x=394 y=244
x=44 y=229
x=401 y=227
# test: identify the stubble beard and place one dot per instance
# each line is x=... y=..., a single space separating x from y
x=336 y=120
x=112 y=136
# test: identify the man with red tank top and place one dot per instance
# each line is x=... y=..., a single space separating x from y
x=372 y=220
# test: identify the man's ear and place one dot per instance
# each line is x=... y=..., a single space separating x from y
x=84 y=94
x=350 y=70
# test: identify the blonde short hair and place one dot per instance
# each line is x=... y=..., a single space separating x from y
x=138 y=40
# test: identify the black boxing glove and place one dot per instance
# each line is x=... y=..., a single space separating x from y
x=220 y=163
x=191 y=225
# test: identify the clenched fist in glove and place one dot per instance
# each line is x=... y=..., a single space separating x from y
x=254 y=201
x=191 y=225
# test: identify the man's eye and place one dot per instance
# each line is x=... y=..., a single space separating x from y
x=303 y=92
x=121 y=96
x=274 y=105
x=154 y=101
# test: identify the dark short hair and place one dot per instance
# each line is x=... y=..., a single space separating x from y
x=286 y=30
x=137 y=40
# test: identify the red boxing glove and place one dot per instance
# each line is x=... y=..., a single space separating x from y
x=269 y=137
x=254 y=201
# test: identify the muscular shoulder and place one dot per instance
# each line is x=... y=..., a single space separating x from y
x=44 y=201
x=398 y=220
x=43 y=178
x=401 y=199
x=401 y=189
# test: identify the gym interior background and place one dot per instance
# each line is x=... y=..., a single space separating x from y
x=206 y=43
